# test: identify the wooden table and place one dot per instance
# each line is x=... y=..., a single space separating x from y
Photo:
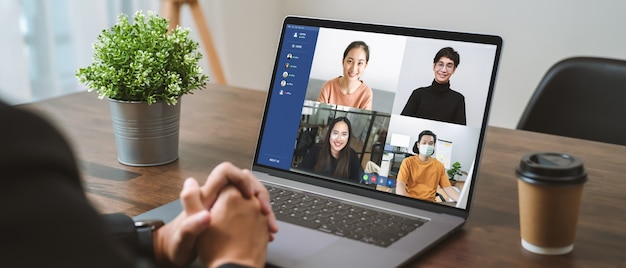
x=220 y=123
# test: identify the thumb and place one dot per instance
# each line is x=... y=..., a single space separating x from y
x=195 y=224
x=182 y=246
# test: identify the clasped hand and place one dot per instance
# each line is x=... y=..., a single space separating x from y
x=227 y=220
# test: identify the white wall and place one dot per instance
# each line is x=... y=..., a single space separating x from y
x=246 y=35
x=9 y=81
x=536 y=35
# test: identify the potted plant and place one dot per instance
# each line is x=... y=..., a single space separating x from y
x=143 y=71
x=453 y=171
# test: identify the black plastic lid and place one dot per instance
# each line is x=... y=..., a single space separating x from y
x=551 y=168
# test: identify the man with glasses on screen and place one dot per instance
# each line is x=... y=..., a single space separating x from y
x=438 y=101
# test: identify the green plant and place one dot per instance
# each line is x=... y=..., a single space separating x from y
x=454 y=170
x=143 y=62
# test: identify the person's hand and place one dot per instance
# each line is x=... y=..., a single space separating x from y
x=175 y=242
x=238 y=233
x=249 y=186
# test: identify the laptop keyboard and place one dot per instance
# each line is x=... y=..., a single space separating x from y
x=340 y=218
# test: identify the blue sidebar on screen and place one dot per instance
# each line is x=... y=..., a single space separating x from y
x=288 y=92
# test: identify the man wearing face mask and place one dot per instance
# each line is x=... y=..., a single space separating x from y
x=420 y=174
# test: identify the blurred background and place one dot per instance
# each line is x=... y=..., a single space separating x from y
x=44 y=41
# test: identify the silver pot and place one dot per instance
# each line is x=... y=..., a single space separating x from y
x=145 y=135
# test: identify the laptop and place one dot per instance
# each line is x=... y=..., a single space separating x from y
x=359 y=219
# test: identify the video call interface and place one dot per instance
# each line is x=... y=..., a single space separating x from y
x=364 y=140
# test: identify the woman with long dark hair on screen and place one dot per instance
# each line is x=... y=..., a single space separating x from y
x=333 y=156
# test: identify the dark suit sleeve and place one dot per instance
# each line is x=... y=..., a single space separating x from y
x=47 y=220
x=122 y=228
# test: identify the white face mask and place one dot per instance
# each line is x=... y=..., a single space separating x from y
x=427 y=150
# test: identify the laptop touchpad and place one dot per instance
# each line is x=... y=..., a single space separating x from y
x=295 y=243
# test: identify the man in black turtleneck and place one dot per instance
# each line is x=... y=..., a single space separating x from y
x=438 y=101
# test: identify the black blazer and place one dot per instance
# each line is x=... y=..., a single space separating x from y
x=47 y=220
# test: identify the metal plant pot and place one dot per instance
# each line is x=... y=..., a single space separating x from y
x=145 y=135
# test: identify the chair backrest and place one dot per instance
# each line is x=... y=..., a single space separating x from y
x=581 y=97
x=377 y=153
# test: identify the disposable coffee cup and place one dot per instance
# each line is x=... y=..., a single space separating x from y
x=550 y=187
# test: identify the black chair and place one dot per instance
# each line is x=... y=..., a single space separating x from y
x=306 y=140
x=443 y=199
x=377 y=153
x=581 y=97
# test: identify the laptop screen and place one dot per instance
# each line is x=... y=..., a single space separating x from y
x=355 y=103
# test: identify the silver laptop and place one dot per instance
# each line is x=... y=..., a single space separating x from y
x=355 y=218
